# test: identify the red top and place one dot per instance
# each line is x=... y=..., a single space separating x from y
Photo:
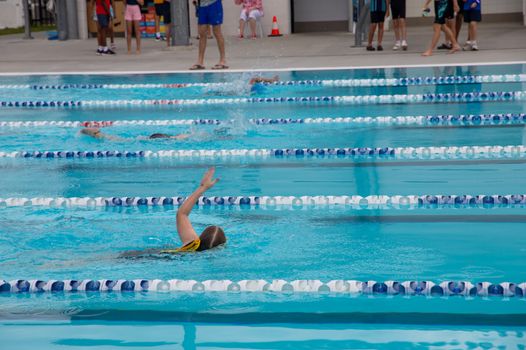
x=100 y=8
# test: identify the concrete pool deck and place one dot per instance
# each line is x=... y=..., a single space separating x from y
x=499 y=42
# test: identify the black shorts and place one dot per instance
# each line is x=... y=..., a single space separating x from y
x=165 y=11
x=441 y=10
x=472 y=16
x=398 y=9
x=461 y=7
x=377 y=17
x=104 y=21
x=450 y=11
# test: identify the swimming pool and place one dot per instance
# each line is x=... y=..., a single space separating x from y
x=368 y=208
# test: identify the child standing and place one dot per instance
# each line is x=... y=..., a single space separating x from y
x=398 y=11
x=379 y=11
x=441 y=11
x=472 y=15
x=133 y=16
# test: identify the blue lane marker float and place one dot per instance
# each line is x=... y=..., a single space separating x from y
x=420 y=120
x=396 y=202
x=404 y=81
x=357 y=153
x=499 y=96
x=404 y=288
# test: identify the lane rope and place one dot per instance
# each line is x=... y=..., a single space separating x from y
x=358 y=153
x=401 y=202
x=353 y=287
x=404 y=81
x=495 y=96
x=420 y=120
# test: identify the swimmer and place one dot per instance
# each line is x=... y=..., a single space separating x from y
x=261 y=80
x=257 y=84
x=96 y=133
x=211 y=237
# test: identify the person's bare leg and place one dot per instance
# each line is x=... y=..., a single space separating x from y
x=209 y=32
x=396 y=29
x=434 y=40
x=220 y=43
x=403 y=29
x=137 y=27
x=372 y=29
x=473 y=31
x=129 y=25
x=157 y=25
x=458 y=25
x=451 y=37
x=103 y=33
x=380 y=33
x=252 y=22
x=203 y=30
x=241 y=28
x=168 y=31
x=99 y=34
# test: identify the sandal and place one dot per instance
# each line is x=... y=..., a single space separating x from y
x=220 y=66
x=197 y=67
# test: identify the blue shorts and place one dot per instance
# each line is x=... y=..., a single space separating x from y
x=212 y=14
x=104 y=21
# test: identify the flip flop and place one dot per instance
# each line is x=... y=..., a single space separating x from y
x=220 y=66
x=197 y=67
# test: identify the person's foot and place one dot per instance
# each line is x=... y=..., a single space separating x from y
x=241 y=36
x=397 y=46
x=219 y=66
x=197 y=66
x=108 y=52
x=444 y=46
x=474 y=46
x=138 y=52
x=427 y=53
x=129 y=52
x=99 y=52
x=404 y=45
x=157 y=37
x=254 y=37
x=454 y=49
x=379 y=48
x=467 y=46
x=370 y=48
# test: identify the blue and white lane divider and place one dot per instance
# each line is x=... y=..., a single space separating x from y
x=408 y=81
x=358 y=153
x=401 y=202
x=420 y=120
x=495 y=96
x=349 y=287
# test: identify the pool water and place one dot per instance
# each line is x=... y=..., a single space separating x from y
x=392 y=242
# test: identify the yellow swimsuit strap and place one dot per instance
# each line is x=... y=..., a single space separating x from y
x=189 y=247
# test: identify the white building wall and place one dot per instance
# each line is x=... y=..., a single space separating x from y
x=11 y=14
x=315 y=10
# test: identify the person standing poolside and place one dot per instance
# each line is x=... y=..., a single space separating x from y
x=133 y=16
x=398 y=11
x=102 y=11
x=441 y=7
x=451 y=10
x=472 y=15
x=211 y=237
x=252 y=11
x=379 y=11
x=210 y=14
x=162 y=8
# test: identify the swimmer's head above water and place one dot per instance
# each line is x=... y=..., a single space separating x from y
x=93 y=132
x=211 y=237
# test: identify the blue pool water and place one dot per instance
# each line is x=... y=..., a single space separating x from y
x=484 y=243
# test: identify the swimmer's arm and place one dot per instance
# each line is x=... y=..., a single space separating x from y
x=180 y=137
x=185 y=229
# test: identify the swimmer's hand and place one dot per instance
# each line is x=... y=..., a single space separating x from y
x=208 y=181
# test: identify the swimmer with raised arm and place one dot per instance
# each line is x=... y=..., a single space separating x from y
x=96 y=133
x=211 y=237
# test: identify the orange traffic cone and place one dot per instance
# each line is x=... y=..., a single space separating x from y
x=275 y=28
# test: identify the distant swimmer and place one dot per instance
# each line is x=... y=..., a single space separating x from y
x=211 y=237
x=96 y=133
x=260 y=80
x=257 y=84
